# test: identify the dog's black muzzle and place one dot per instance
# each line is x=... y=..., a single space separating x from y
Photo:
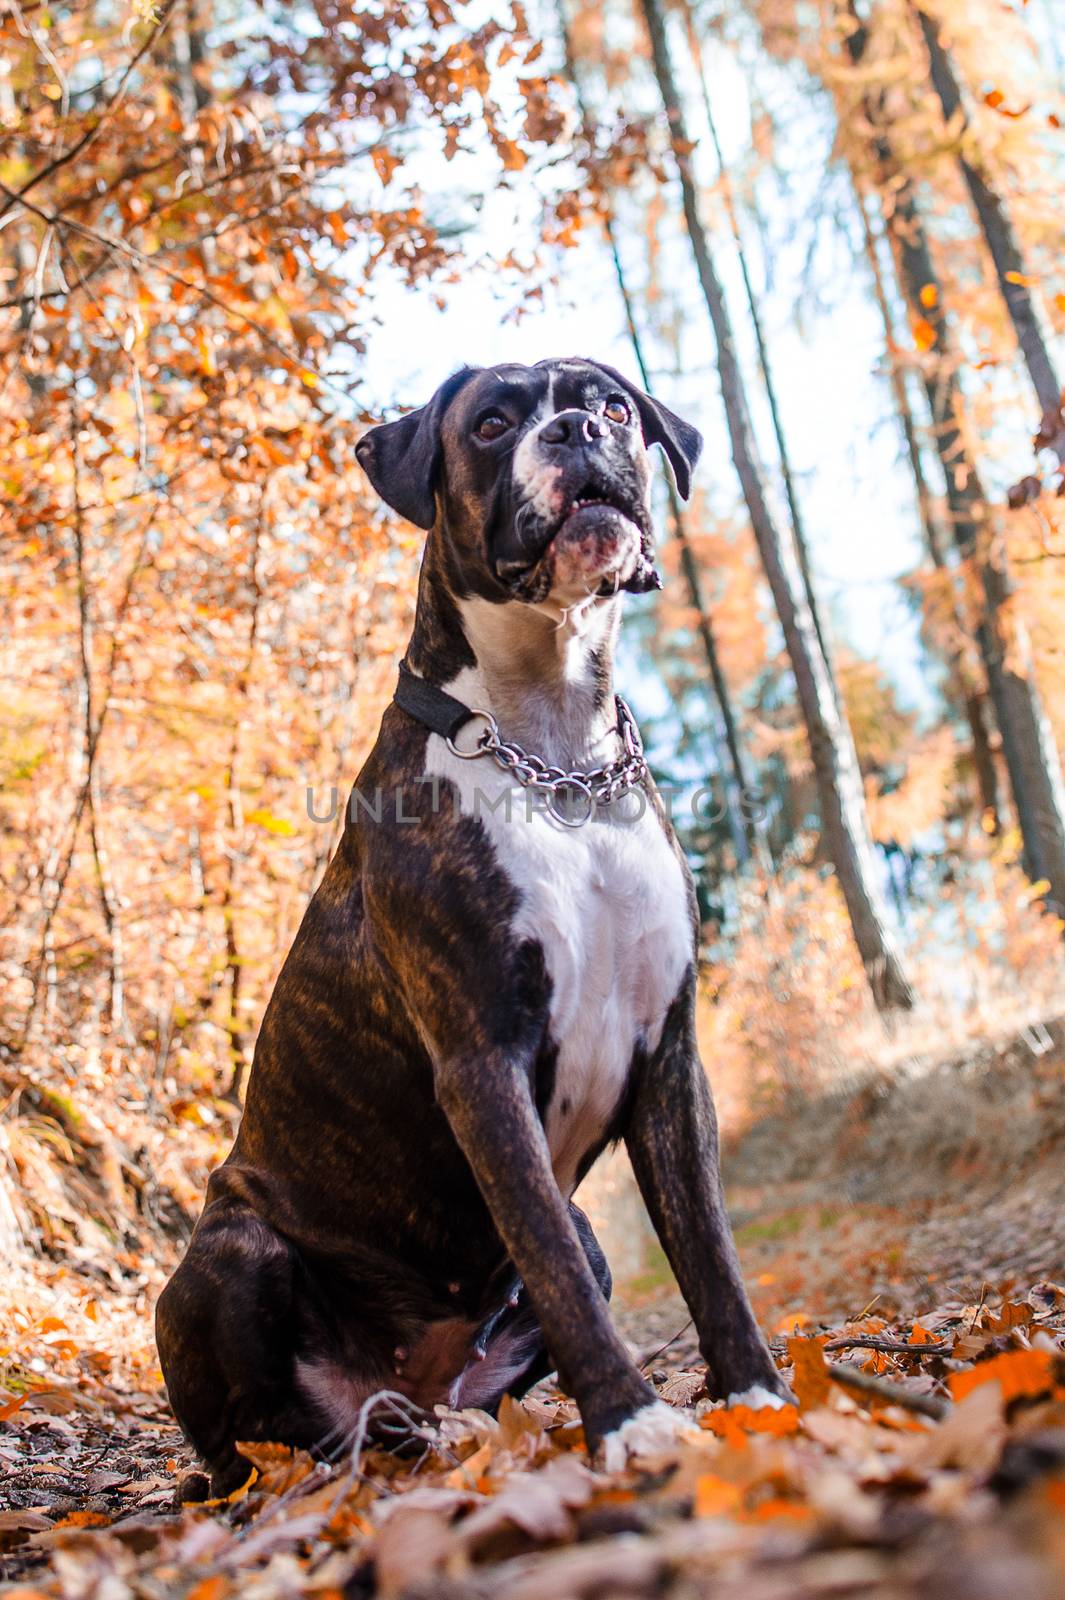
x=595 y=467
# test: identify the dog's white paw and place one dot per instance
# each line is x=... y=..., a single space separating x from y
x=653 y=1436
x=757 y=1398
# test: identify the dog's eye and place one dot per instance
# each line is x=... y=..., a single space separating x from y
x=616 y=410
x=493 y=426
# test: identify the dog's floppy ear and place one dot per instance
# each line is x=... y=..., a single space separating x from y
x=681 y=442
x=401 y=458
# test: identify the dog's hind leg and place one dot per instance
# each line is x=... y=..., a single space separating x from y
x=225 y=1328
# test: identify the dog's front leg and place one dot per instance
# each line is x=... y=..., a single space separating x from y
x=672 y=1142
x=489 y=1104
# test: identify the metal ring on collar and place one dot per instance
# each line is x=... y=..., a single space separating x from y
x=558 y=787
x=489 y=736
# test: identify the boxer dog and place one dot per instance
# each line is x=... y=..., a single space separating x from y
x=494 y=982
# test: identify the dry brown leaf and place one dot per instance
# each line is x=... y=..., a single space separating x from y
x=810 y=1381
x=538 y=1503
x=414 y=1541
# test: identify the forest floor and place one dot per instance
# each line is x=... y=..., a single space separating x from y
x=904 y=1247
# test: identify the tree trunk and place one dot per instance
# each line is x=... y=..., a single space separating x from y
x=1005 y=251
x=967 y=697
x=1027 y=740
x=798 y=526
x=187 y=52
x=743 y=827
x=843 y=815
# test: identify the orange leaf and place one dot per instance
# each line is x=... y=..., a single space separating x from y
x=385 y=162
x=9 y=1407
x=996 y=100
x=1017 y=1373
x=735 y=1422
x=205 y=350
x=615 y=1497
x=1019 y=277
x=84 y=1519
x=929 y=295
x=715 y=1497
x=238 y=1494
x=265 y=1456
x=924 y=335
x=811 y=1381
x=207 y=1588
x=778 y=1507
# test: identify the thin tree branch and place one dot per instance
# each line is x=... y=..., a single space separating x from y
x=121 y=246
x=91 y=133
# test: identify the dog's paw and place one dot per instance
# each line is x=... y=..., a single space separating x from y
x=757 y=1397
x=654 y=1437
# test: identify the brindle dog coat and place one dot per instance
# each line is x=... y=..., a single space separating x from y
x=479 y=998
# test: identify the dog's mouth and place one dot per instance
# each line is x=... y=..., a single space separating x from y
x=593 y=494
x=596 y=510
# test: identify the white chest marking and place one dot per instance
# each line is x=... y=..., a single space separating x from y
x=608 y=904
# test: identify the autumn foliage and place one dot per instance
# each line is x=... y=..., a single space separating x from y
x=203 y=610
x=202 y=209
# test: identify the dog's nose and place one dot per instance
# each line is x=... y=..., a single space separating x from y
x=573 y=428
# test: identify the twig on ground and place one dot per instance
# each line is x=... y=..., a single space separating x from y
x=653 y=1357
x=928 y=1405
x=984 y=1287
x=869 y=1341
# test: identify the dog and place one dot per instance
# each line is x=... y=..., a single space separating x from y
x=483 y=994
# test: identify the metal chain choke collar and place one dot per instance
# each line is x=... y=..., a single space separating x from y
x=587 y=790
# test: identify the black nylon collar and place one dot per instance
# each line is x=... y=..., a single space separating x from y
x=430 y=705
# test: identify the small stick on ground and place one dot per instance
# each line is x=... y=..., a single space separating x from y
x=928 y=1405
x=645 y=1366
x=869 y=1341
x=984 y=1287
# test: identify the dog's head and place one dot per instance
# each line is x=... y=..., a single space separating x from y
x=538 y=478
